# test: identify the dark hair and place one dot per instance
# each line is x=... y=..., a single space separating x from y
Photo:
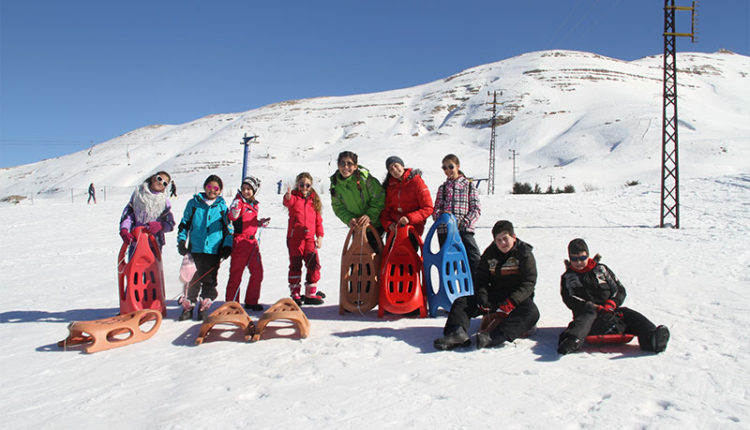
x=502 y=226
x=214 y=178
x=577 y=246
x=455 y=160
x=347 y=154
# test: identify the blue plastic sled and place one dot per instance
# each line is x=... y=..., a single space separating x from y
x=452 y=264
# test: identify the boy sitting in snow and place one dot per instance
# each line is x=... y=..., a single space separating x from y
x=504 y=283
x=595 y=295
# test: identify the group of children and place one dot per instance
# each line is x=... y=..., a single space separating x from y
x=504 y=274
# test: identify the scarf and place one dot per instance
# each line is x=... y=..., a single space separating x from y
x=147 y=205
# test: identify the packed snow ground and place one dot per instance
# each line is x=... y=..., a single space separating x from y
x=358 y=371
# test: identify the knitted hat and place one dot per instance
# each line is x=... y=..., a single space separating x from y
x=393 y=159
x=577 y=246
x=253 y=182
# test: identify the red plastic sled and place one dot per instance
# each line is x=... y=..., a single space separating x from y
x=609 y=338
x=401 y=289
x=141 y=280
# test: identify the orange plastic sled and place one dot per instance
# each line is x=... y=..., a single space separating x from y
x=141 y=280
x=401 y=289
x=108 y=333
x=284 y=309
x=228 y=313
x=358 y=291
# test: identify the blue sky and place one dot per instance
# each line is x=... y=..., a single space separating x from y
x=77 y=73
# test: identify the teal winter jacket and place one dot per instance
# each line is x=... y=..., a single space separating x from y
x=207 y=227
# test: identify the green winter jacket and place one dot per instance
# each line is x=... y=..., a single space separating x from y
x=359 y=194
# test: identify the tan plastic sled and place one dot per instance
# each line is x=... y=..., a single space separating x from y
x=228 y=313
x=112 y=332
x=360 y=264
x=284 y=309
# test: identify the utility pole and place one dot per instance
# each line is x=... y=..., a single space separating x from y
x=670 y=191
x=513 y=157
x=491 y=175
x=246 y=142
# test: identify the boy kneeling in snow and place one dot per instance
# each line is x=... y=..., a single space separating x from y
x=595 y=295
x=504 y=283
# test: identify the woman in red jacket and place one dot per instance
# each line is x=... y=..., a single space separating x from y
x=304 y=237
x=407 y=198
x=245 y=250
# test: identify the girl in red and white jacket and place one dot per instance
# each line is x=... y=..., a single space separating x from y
x=243 y=213
x=304 y=237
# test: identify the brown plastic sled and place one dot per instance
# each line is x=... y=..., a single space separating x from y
x=228 y=313
x=360 y=264
x=112 y=332
x=284 y=309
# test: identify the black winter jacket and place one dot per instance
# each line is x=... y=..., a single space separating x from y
x=505 y=276
x=595 y=286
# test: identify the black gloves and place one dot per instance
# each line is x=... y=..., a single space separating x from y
x=181 y=248
x=225 y=252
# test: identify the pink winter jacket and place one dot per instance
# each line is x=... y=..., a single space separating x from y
x=304 y=221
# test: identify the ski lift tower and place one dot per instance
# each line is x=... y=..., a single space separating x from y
x=491 y=175
x=670 y=192
x=246 y=140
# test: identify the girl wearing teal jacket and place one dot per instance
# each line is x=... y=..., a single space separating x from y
x=357 y=198
x=208 y=233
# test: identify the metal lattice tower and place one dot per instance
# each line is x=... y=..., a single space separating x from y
x=246 y=140
x=670 y=191
x=491 y=175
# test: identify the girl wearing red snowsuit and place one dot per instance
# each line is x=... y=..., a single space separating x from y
x=243 y=213
x=407 y=198
x=304 y=237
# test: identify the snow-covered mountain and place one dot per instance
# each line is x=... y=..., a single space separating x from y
x=568 y=115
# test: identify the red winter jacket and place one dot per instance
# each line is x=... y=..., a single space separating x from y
x=409 y=197
x=244 y=216
x=304 y=221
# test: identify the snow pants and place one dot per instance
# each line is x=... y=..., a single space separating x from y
x=303 y=251
x=245 y=253
x=204 y=280
x=623 y=320
x=518 y=322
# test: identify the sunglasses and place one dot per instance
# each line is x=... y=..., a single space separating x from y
x=303 y=186
x=448 y=167
x=162 y=180
x=212 y=188
x=579 y=258
x=347 y=164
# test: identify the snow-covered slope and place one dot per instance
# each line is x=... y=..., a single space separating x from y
x=569 y=114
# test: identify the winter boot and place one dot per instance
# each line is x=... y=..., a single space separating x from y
x=659 y=339
x=294 y=290
x=569 y=344
x=452 y=340
x=487 y=340
x=205 y=306
x=256 y=307
x=187 y=309
x=311 y=295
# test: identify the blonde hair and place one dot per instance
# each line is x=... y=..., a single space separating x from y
x=317 y=204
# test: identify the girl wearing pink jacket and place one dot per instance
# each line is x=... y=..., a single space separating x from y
x=304 y=237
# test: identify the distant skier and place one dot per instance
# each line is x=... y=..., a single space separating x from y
x=173 y=190
x=594 y=294
x=278 y=187
x=92 y=193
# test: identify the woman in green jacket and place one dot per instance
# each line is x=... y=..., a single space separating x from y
x=357 y=198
